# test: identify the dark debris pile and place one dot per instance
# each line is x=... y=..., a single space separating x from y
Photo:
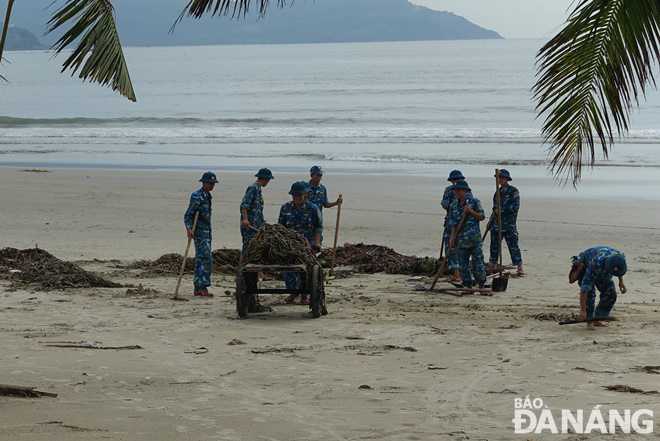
x=278 y=245
x=380 y=259
x=41 y=270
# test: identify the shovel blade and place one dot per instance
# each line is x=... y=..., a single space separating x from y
x=500 y=284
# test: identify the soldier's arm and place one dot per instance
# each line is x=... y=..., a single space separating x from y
x=189 y=216
x=583 y=306
x=282 y=218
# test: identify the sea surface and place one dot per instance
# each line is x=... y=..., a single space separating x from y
x=418 y=108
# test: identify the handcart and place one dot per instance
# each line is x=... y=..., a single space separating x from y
x=247 y=286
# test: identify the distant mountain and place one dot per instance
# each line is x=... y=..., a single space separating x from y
x=147 y=23
x=19 y=39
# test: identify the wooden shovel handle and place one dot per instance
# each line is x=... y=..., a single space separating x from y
x=334 y=247
x=185 y=258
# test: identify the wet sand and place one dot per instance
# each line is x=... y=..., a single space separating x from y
x=386 y=363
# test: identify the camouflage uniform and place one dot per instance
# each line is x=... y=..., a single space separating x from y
x=597 y=277
x=253 y=202
x=468 y=241
x=318 y=196
x=447 y=198
x=200 y=201
x=510 y=202
x=307 y=221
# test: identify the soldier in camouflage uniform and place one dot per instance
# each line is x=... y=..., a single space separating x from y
x=510 y=202
x=200 y=202
x=598 y=265
x=318 y=194
x=252 y=208
x=447 y=198
x=467 y=242
x=305 y=218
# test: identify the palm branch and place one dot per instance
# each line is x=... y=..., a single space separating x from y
x=198 y=8
x=591 y=74
x=98 y=55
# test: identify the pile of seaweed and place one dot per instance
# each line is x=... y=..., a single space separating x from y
x=277 y=245
x=371 y=259
x=224 y=260
x=165 y=265
x=41 y=270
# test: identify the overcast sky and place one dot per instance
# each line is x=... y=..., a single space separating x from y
x=510 y=18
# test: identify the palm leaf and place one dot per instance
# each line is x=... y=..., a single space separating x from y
x=98 y=56
x=198 y=8
x=591 y=74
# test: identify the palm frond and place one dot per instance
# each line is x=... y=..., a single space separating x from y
x=591 y=74
x=98 y=55
x=199 y=8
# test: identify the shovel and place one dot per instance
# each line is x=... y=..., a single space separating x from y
x=499 y=283
x=589 y=320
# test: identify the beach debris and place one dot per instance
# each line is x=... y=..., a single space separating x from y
x=167 y=264
x=372 y=259
x=274 y=244
x=34 y=170
x=629 y=389
x=436 y=368
x=43 y=271
x=197 y=351
x=225 y=260
x=89 y=345
x=23 y=391
x=142 y=291
x=578 y=368
x=503 y=391
x=647 y=369
x=235 y=342
x=270 y=350
x=554 y=317
x=589 y=320
x=402 y=348
x=147 y=381
x=191 y=382
x=365 y=386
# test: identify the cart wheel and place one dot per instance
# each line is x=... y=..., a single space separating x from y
x=317 y=299
x=242 y=297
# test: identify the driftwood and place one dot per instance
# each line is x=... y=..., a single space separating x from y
x=629 y=389
x=23 y=391
x=92 y=346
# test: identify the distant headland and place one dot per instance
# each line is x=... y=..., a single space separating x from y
x=319 y=21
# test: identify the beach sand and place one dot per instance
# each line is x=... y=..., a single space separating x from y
x=387 y=363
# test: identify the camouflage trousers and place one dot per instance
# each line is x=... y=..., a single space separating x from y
x=464 y=254
x=511 y=238
x=247 y=235
x=452 y=260
x=607 y=299
x=203 y=260
x=292 y=280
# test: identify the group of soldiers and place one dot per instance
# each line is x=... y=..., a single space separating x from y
x=593 y=268
x=303 y=213
x=462 y=235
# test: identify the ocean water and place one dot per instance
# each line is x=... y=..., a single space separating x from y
x=405 y=108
